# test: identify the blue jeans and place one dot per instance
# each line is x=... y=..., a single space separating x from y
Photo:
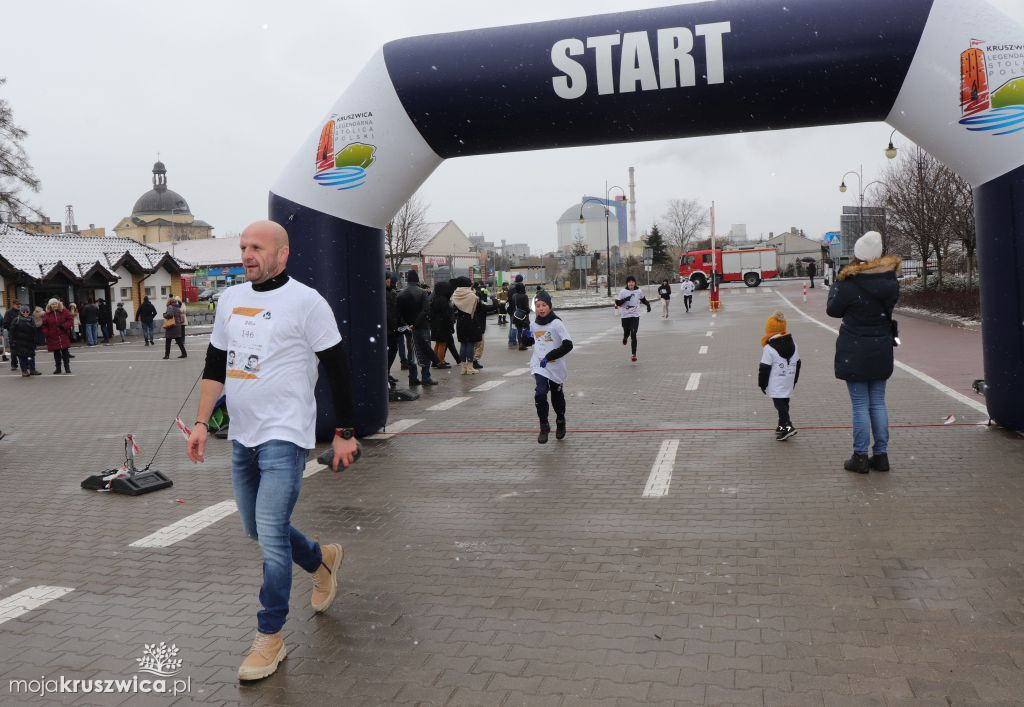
x=267 y=479
x=869 y=416
x=90 y=334
x=27 y=363
x=147 y=331
x=466 y=351
x=513 y=334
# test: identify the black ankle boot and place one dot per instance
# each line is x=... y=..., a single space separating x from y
x=879 y=462
x=857 y=463
x=545 y=428
x=560 y=427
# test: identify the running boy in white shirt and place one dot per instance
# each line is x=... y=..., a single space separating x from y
x=550 y=340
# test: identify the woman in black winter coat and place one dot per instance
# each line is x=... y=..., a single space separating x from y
x=23 y=342
x=442 y=324
x=864 y=295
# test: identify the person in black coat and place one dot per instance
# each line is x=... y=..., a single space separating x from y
x=812 y=270
x=413 y=312
x=518 y=300
x=442 y=324
x=863 y=296
x=23 y=341
x=145 y=316
x=106 y=319
x=391 y=321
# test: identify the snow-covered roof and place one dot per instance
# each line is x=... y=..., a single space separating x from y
x=206 y=251
x=39 y=257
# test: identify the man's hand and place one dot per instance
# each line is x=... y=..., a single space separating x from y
x=544 y=362
x=344 y=452
x=197 y=443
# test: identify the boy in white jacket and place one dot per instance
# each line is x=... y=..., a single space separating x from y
x=551 y=342
x=779 y=371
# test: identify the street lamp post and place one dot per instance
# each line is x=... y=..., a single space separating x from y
x=861 y=189
x=607 y=238
x=624 y=200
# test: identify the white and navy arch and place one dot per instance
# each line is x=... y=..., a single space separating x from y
x=688 y=70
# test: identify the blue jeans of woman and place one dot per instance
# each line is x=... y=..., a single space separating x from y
x=870 y=416
x=466 y=351
x=267 y=479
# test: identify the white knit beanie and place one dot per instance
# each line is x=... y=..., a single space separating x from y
x=868 y=247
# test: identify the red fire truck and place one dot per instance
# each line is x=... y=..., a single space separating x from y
x=749 y=265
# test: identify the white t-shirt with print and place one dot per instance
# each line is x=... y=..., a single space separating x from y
x=272 y=339
x=686 y=287
x=547 y=338
x=631 y=307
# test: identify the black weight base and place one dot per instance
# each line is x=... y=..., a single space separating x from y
x=143 y=482
x=402 y=396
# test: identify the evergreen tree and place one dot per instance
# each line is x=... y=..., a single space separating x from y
x=656 y=242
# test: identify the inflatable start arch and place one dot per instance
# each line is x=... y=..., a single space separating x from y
x=949 y=74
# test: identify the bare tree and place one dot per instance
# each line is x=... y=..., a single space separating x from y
x=406 y=233
x=962 y=219
x=916 y=198
x=15 y=171
x=684 y=221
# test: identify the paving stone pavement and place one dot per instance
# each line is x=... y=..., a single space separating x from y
x=482 y=568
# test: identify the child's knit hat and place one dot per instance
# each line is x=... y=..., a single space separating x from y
x=776 y=324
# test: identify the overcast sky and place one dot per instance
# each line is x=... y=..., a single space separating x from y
x=226 y=91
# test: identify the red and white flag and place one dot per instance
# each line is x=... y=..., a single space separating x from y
x=134 y=447
x=181 y=426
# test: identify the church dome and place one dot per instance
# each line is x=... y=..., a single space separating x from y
x=160 y=199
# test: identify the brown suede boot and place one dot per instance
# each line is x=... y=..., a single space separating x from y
x=325 y=579
x=264 y=656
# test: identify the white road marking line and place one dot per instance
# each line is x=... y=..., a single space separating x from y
x=447 y=404
x=312 y=467
x=188 y=526
x=489 y=385
x=517 y=372
x=710 y=333
x=28 y=599
x=661 y=472
x=693 y=382
x=703 y=350
x=923 y=377
x=713 y=316
x=396 y=426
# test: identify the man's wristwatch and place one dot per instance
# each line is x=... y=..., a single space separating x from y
x=345 y=432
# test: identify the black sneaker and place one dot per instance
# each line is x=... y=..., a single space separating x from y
x=559 y=427
x=428 y=381
x=476 y=364
x=879 y=462
x=784 y=433
x=857 y=463
x=545 y=428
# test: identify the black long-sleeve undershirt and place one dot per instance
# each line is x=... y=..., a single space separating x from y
x=335 y=362
x=563 y=348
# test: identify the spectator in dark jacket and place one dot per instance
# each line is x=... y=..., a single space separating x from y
x=106 y=321
x=120 y=320
x=90 y=316
x=391 y=321
x=412 y=312
x=173 y=329
x=12 y=313
x=23 y=341
x=145 y=317
x=812 y=270
x=864 y=295
x=442 y=324
x=518 y=301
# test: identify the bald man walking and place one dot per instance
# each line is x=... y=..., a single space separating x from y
x=267 y=337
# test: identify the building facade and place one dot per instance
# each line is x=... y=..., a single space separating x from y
x=595 y=232
x=853 y=223
x=162 y=215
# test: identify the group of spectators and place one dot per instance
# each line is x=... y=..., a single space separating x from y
x=424 y=323
x=57 y=327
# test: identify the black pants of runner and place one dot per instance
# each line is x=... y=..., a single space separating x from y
x=782 y=405
x=688 y=301
x=629 y=329
x=179 y=340
x=543 y=386
x=62 y=355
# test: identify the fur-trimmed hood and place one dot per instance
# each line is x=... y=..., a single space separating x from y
x=887 y=263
